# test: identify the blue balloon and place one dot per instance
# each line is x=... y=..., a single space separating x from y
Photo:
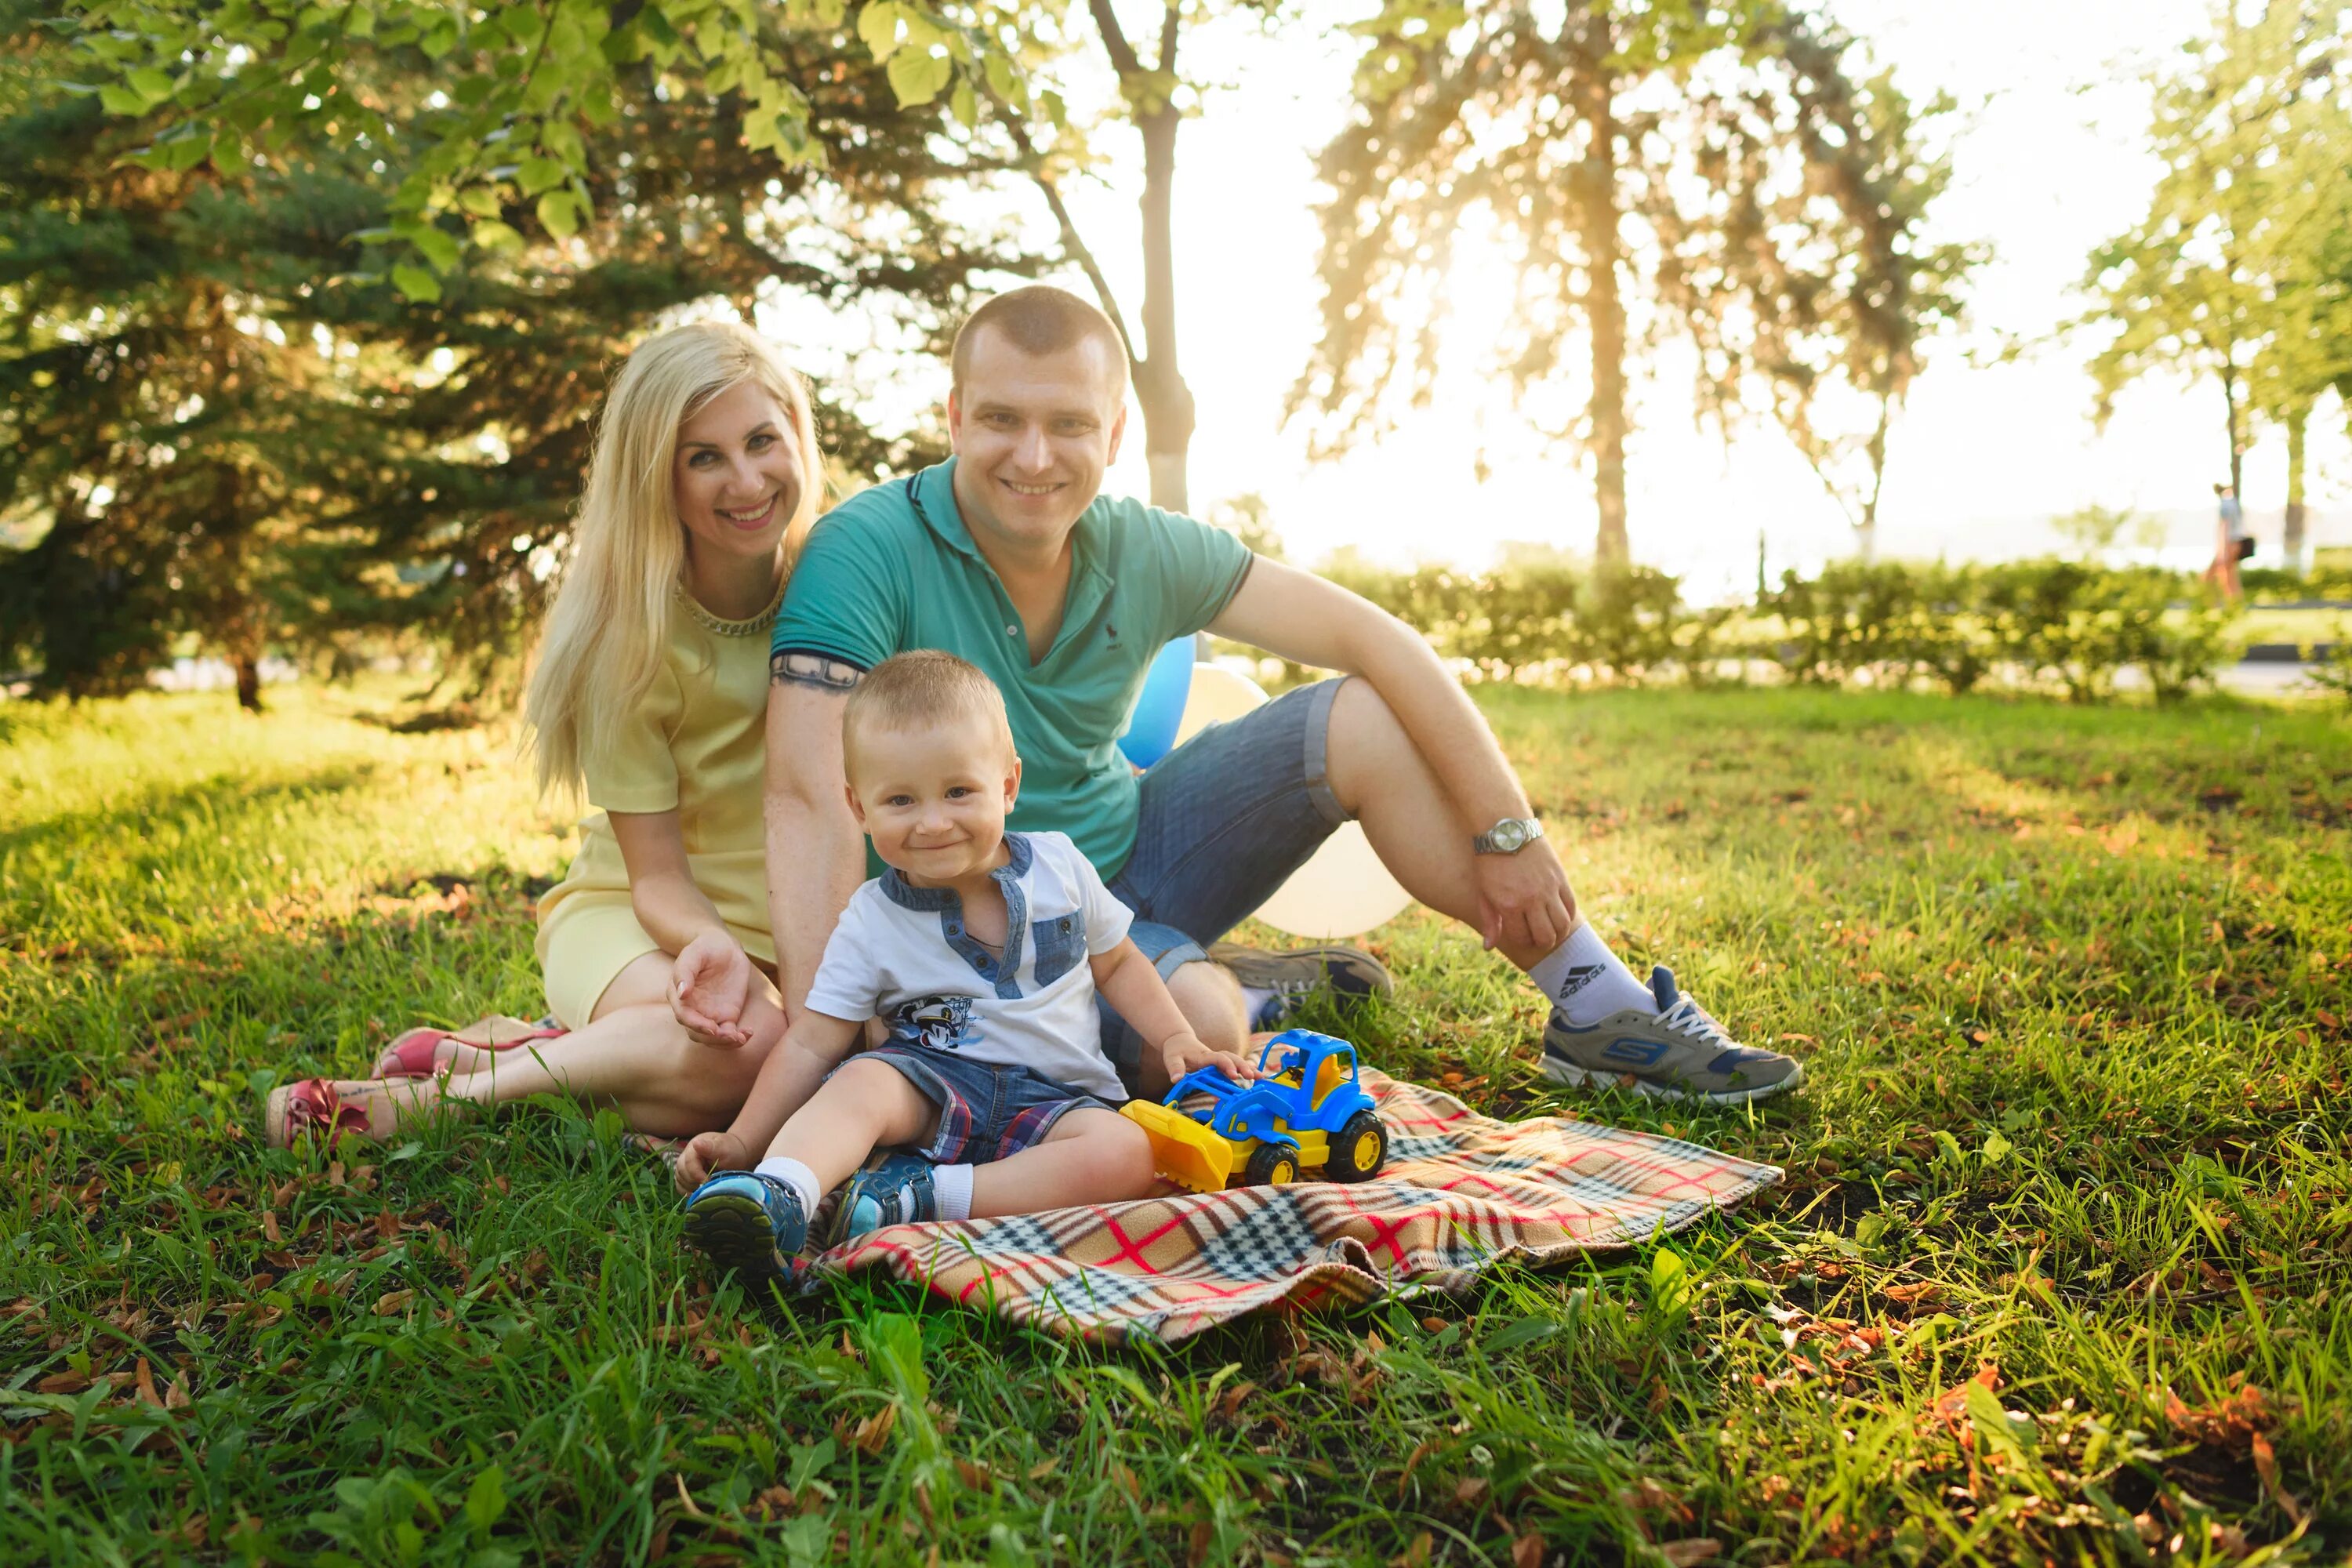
x=1150 y=732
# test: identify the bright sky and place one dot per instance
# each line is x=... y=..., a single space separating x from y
x=2048 y=162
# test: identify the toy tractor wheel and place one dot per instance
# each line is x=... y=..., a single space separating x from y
x=1359 y=1149
x=1271 y=1165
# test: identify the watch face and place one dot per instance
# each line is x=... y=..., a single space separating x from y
x=1509 y=837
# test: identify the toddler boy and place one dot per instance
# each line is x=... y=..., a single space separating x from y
x=982 y=952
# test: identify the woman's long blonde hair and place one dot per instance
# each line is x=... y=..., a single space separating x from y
x=603 y=647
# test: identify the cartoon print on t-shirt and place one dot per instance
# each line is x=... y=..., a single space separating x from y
x=933 y=1023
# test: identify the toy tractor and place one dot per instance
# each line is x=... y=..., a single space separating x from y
x=1307 y=1110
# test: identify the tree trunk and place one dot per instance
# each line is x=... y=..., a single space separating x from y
x=1160 y=389
x=2237 y=447
x=248 y=682
x=2291 y=546
x=1604 y=305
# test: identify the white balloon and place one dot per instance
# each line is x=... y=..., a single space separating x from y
x=1343 y=890
x=1217 y=695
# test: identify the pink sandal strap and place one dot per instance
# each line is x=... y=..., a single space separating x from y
x=313 y=1105
x=416 y=1052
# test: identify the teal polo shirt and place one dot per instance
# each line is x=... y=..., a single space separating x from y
x=894 y=568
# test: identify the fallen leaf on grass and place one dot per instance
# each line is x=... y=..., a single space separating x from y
x=2266 y=1467
x=977 y=1477
x=1952 y=1405
x=1685 y=1554
x=1527 y=1551
x=1470 y=1491
x=146 y=1378
x=1416 y=1554
x=269 y=1228
x=393 y=1302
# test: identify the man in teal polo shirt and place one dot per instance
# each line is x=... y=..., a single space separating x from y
x=1009 y=556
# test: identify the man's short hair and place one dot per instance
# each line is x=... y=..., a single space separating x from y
x=1039 y=319
x=922 y=689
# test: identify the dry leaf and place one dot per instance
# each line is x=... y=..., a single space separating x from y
x=391 y=1302
x=146 y=1378
x=978 y=1476
x=63 y=1383
x=269 y=1228
x=1196 y=1551
x=1527 y=1551
x=1470 y=1491
x=1685 y=1554
x=2266 y=1466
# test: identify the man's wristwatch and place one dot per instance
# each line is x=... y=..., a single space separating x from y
x=1508 y=837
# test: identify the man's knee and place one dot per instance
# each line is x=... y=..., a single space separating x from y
x=1211 y=1000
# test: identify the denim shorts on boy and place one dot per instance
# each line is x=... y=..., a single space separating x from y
x=987 y=1111
x=1226 y=818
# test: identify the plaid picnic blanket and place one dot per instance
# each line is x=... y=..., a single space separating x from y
x=1460 y=1192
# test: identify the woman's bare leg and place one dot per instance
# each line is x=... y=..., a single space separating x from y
x=633 y=1056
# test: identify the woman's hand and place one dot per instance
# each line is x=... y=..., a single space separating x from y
x=708 y=986
x=1187 y=1052
x=705 y=1154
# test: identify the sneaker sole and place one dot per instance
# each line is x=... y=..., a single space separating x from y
x=1560 y=1070
x=734 y=1238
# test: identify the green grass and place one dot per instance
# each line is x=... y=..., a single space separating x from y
x=2071 y=986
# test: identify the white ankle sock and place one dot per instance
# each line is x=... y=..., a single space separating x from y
x=795 y=1175
x=1254 y=1001
x=1587 y=982
x=951 y=1185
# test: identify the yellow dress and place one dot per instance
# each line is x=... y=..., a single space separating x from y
x=697 y=746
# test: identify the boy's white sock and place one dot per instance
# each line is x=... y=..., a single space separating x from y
x=795 y=1175
x=1587 y=982
x=951 y=1186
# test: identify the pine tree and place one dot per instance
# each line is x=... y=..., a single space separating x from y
x=344 y=461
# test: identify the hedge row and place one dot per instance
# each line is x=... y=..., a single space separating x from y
x=2036 y=624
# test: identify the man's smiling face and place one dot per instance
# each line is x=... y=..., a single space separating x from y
x=1033 y=435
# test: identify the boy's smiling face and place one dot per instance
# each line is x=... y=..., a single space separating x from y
x=934 y=800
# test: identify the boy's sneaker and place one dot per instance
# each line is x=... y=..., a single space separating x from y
x=897 y=1189
x=746 y=1225
x=1352 y=976
x=1675 y=1053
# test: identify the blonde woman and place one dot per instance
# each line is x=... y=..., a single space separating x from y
x=650 y=694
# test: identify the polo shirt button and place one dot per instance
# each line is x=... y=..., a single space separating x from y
x=1013 y=631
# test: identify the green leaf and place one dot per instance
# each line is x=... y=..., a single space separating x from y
x=1994 y=1427
x=1670 y=1282
x=964 y=105
x=1003 y=79
x=118 y=99
x=558 y=214
x=917 y=78
x=1996 y=1148
x=562 y=141
x=1520 y=1331
x=151 y=84
x=482 y=201
x=541 y=174
x=486 y=1500
x=437 y=245
x=1949 y=1145
x=416 y=284
x=492 y=235
x=877 y=25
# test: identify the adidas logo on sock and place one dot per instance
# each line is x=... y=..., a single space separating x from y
x=1578 y=978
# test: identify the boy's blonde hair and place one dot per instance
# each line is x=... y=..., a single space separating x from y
x=603 y=646
x=922 y=689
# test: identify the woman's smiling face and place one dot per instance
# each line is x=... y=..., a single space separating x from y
x=736 y=478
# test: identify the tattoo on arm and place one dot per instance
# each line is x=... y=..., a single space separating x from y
x=792 y=668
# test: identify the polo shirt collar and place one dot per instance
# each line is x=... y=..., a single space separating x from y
x=932 y=492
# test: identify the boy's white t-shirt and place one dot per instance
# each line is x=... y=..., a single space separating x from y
x=902 y=953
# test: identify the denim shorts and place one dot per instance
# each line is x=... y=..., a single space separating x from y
x=1224 y=819
x=987 y=1111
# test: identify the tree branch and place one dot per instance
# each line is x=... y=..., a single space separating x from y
x=1122 y=53
x=1034 y=167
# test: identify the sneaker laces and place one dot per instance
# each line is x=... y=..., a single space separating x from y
x=1687 y=1018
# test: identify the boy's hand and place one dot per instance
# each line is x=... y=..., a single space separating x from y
x=1186 y=1052
x=708 y=987
x=705 y=1155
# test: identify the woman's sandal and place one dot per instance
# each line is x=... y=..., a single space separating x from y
x=416 y=1053
x=311 y=1106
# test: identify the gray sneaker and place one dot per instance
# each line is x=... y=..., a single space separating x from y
x=1675 y=1053
x=1352 y=976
